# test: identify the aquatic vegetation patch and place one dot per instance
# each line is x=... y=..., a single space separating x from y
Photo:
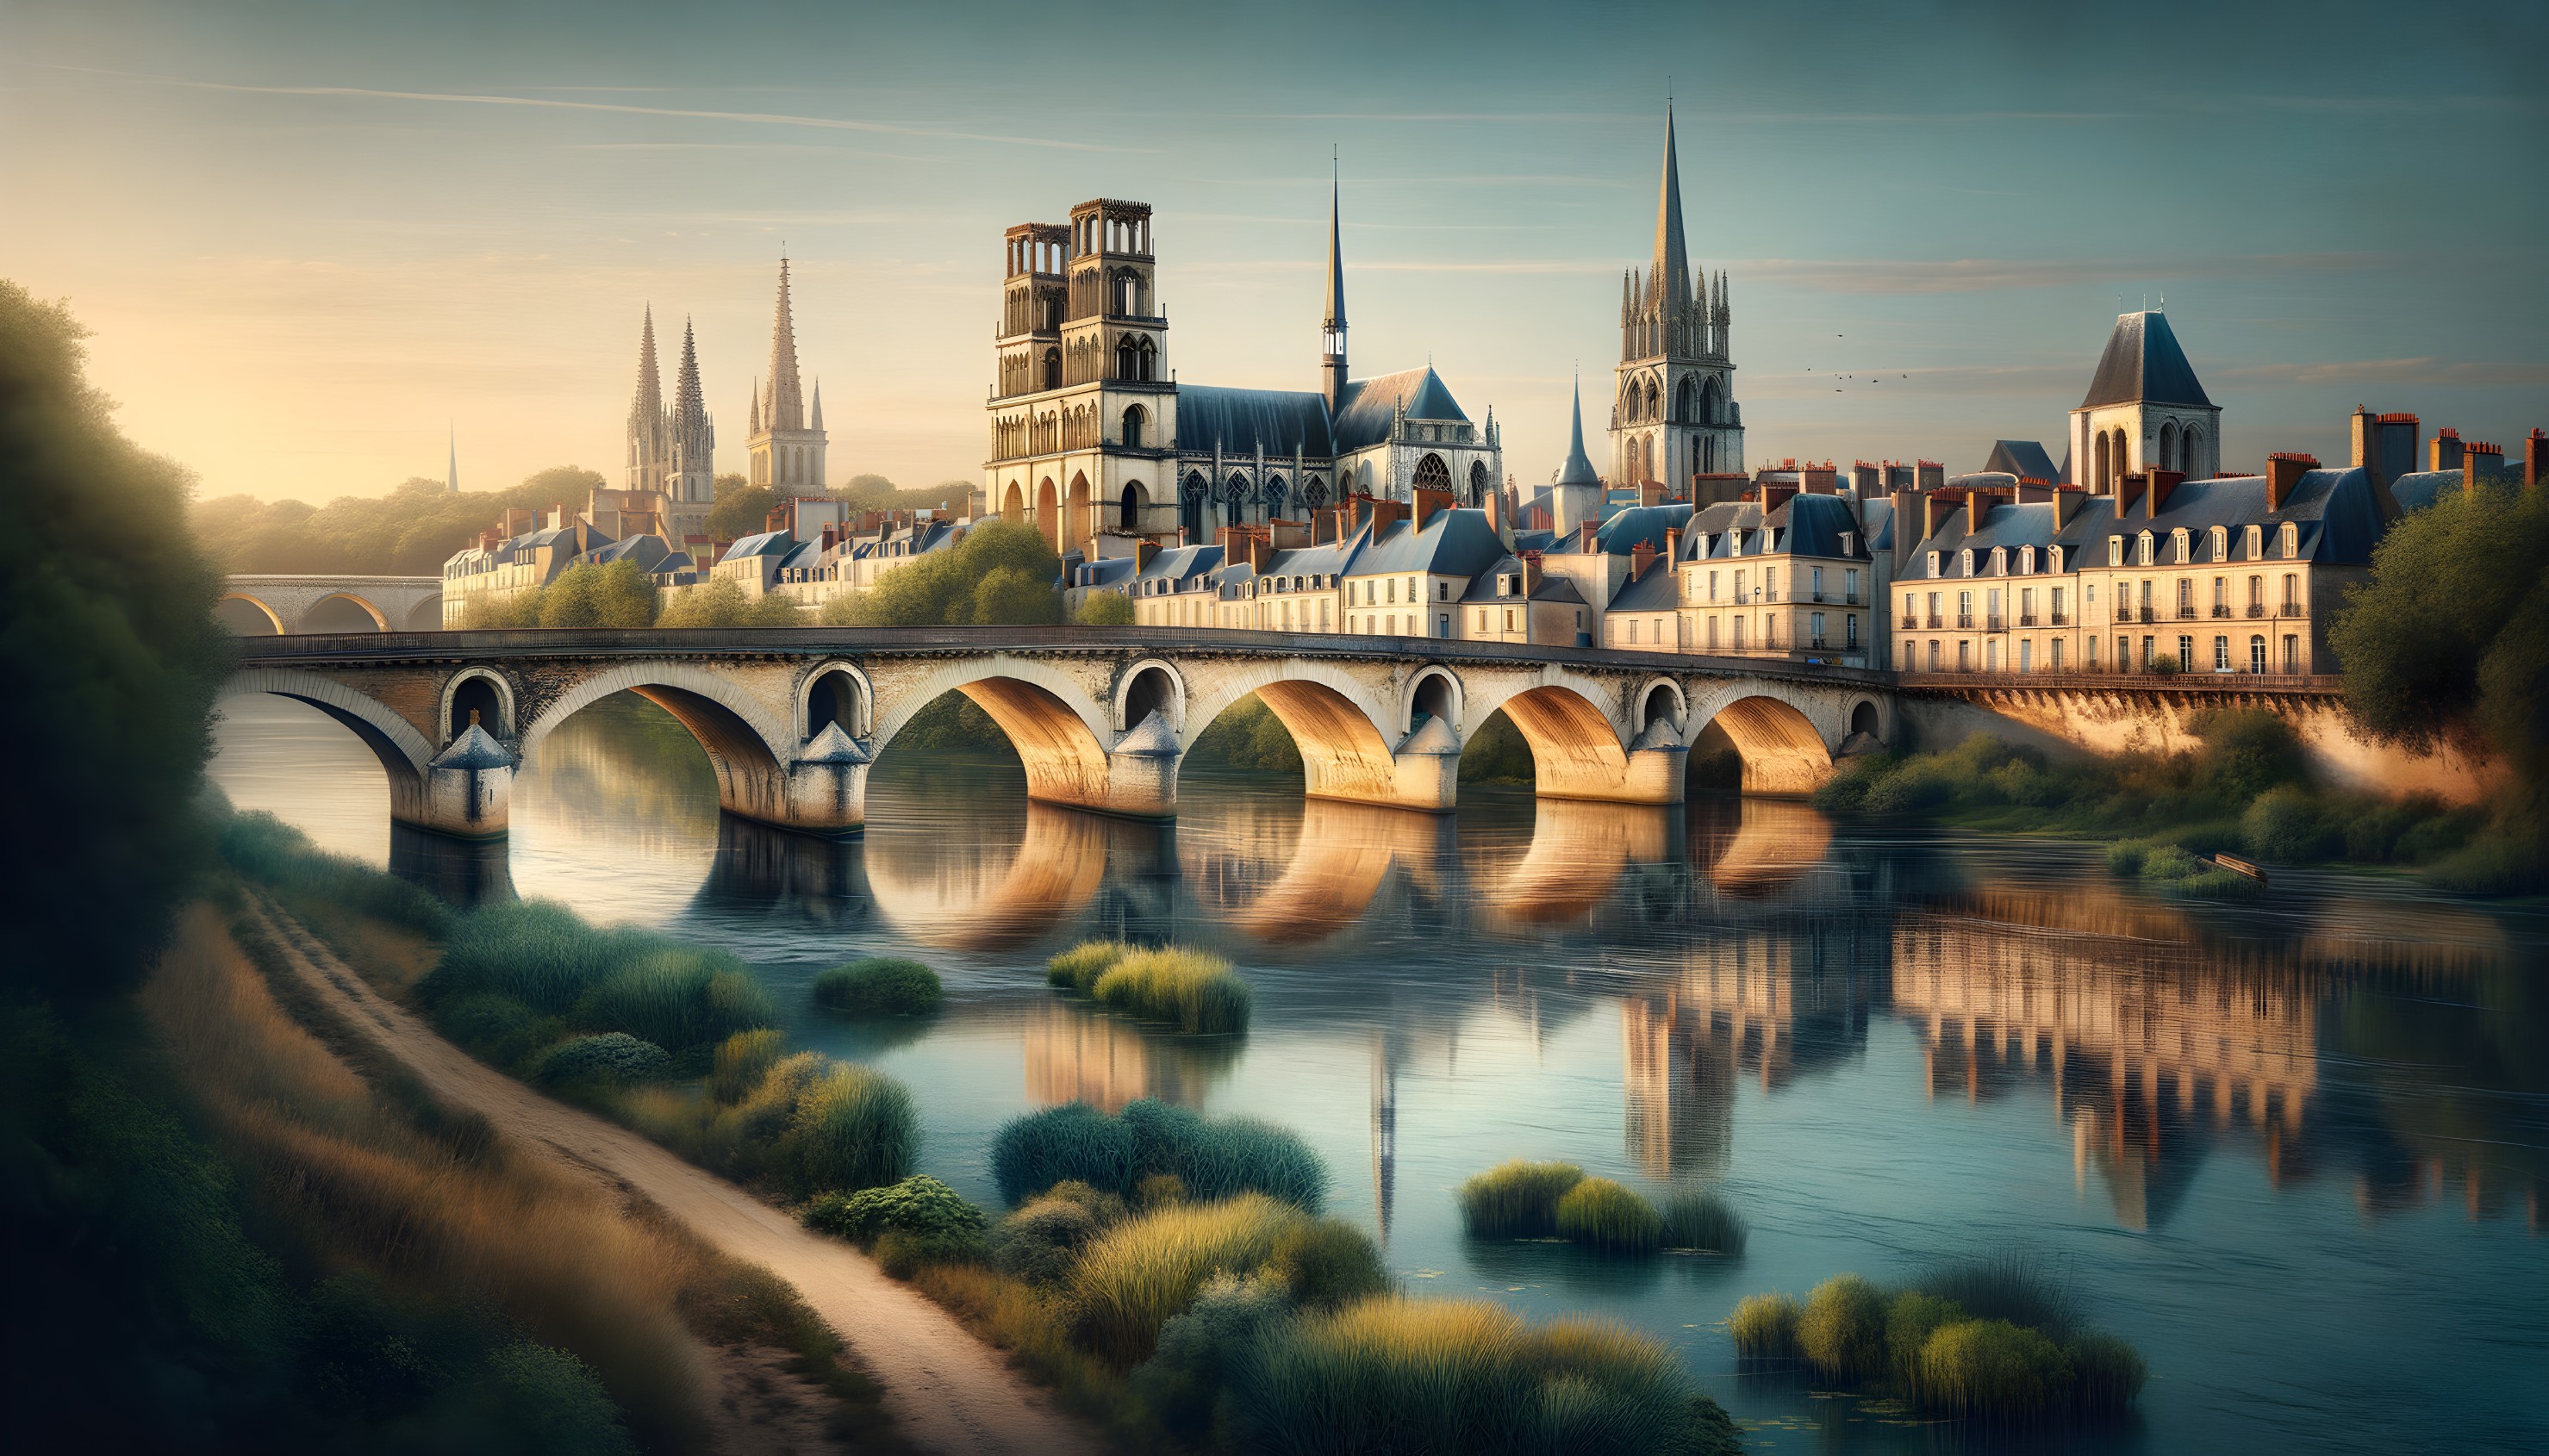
x=1842 y=1330
x=1704 y=1222
x=879 y=985
x=1609 y=1218
x=1328 y=1264
x=1517 y=1199
x=1198 y=993
x=1078 y=968
x=1764 y=1326
x=1139 y=1274
x=1209 y=1158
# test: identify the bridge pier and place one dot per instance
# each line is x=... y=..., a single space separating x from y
x=1142 y=772
x=466 y=792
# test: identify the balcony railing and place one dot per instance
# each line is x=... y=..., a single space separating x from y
x=1937 y=622
x=1820 y=644
x=2185 y=612
x=2256 y=608
x=2060 y=619
x=1850 y=598
x=2026 y=619
x=2291 y=609
x=2220 y=609
x=1993 y=624
x=1964 y=621
x=1819 y=593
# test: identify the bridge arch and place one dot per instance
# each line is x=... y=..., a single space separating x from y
x=1866 y=715
x=1150 y=684
x=483 y=689
x=747 y=750
x=393 y=740
x=1060 y=735
x=835 y=692
x=1785 y=750
x=1334 y=719
x=1576 y=751
x=249 y=617
x=1662 y=700
x=342 y=611
x=426 y=615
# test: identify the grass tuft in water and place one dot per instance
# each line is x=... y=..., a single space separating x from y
x=1842 y=1330
x=1764 y=1326
x=1702 y=1220
x=1609 y=1218
x=879 y=985
x=1994 y=1370
x=1517 y=1199
x=1078 y=968
x=1198 y=993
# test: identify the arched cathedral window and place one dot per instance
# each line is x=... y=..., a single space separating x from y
x=1432 y=474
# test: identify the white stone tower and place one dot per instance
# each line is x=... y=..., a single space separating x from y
x=1674 y=414
x=786 y=448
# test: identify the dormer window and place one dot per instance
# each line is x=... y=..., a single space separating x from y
x=1965 y=562
x=2115 y=551
x=2000 y=561
x=2142 y=552
x=1849 y=543
x=2180 y=543
x=2027 y=561
x=2256 y=542
x=2221 y=543
x=2290 y=545
x=2053 y=559
x=1933 y=563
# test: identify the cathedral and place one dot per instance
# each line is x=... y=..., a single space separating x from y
x=671 y=482
x=1675 y=418
x=1094 y=442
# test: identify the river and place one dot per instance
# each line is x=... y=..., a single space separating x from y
x=2295 y=1150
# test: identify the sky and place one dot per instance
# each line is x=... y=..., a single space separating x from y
x=309 y=239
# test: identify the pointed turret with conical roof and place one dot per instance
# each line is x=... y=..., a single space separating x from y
x=1675 y=415
x=1576 y=494
x=787 y=451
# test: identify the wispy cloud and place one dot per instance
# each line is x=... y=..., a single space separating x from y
x=552 y=103
x=2427 y=370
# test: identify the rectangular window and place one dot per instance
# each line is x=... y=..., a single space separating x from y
x=2053 y=654
x=2221 y=653
x=1711 y=632
x=1910 y=609
x=1819 y=584
x=1934 y=654
x=1854 y=629
x=1991 y=655
x=1712 y=586
x=1819 y=629
x=2025 y=654
x=1849 y=584
x=1739 y=587
x=2093 y=654
x=2186 y=653
x=1964 y=655
x=2150 y=653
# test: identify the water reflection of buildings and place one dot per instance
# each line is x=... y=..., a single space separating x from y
x=1767 y=1003
x=2143 y=1044
x=1074 y=1054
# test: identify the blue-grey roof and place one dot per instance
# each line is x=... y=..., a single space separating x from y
x=1369 y=405
x=2021 y=457
x=1806 y=524
x=1177 y=565
x=1455 y=543
x=2417 y=491
x=1653 y=591
x=647 y=549
x=2339 y=522
x=1620 y=535
x=1577 y=471
x=2143 y=365
x=1814 y=525
x=1242 y=422
x=761 y=543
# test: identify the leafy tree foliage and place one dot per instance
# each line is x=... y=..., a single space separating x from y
x=617 y=594
x=741 y=510
x=1000 y=575
x=1105 y=609
x=722 y=604
x=412 y=531
x=112 y=658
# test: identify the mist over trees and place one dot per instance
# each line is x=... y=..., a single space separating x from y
x=408 y=532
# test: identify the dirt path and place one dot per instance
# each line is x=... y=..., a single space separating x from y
x=948 y=1390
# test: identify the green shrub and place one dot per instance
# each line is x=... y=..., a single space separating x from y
x=1139 y=1274
x=1078 y=968
x=741 y=1061
x=619 y=979
x=1401 y=1375
x=1703 y=1221
x=851 y=1128
x=678 y=996
x=2125 y=857
x=918 y=1204
x=1994 y=1370
x=1610 y=1218
x=2018 y=1288
x=496 y=1028
x=1764 y=1326
x=902 y=1252
x=879 y=985
x=1517 y=1199
x=1216 y=1159
x=612 y=1059
x=1329 y=1263
x=1200 y=994
x=2246 y=751
x=2170 y=862
x=273 y=852
x=2284 y=825
x=1910 y=1321
x=1034 y=1151
x=2106 y=1373
x=1042 y=1241
x=1842 y=1328
x=1203 y=1351
x=1158 y=1191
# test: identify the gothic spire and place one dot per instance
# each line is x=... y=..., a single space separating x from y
x=818 y=404
x=1579 y=470
x=1673 y=259
x=784 y=405
x=650 y=386
x=1336 y=320
x=690 y=404
x=451 y=478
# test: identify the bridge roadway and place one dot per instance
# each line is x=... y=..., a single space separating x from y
x=792 y=717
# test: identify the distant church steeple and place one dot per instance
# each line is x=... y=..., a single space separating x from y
x=787 y=452
x=692 y=475
x=451 y=476
x=649 y=432
x=1675 y=415
x=1332 y=329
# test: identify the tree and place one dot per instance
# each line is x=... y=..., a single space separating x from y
x=1000 y=573
x=743 y=510
x=112 y=659
x=410 y=531
x=721 y=603
x=1105 y=609
x=617 y=594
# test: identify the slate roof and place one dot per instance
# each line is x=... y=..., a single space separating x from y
x=1625 y=529
x=761 y=543
x=1482 y=587
x=1653 y=591
x=2021 y=457
x=2145 y=365
x=1806 y=524
x=2338 y=521
x=1179 y=564
x=1245 y=422
x=1455 y=543
x=2417 y=491
x=1369 y=405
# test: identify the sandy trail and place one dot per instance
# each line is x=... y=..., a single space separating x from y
x=948 y=1390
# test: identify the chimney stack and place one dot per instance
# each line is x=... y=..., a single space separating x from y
x=1642 y=555
x=1672 y=547
x=2067 y=504
x=2128 y=488
x=1929 y=475
x=1143 y=551
x=1584 y=537
x=2162 y=483
x=2535 y=446
x=2481 y=464
x=1775 y=494
x=1428 y=503
x=1936 y=507
x=2284 y=471
x=2444 y=452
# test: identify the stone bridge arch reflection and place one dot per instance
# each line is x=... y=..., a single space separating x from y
x=993 y=891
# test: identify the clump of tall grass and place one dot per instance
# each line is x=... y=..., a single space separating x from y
x=1139 y=1274
x=275 y=853
x=1211 y=1158
x=1993 y=1369
x=1910 y=1319
x=612 y=1058
x=541 y=956
x=2106 y=1373
x=1764 y=1326
x=798 y=1125
x=1517 y=1199
x=879 y=985
x=1328 y=1264
x=2021 y=1288
x=1042 y=1241
x=1842 y=1330
x=1196 y=992
x=1703 y=1221
x=1392 y=1374
x=1609 y=1218
x=1078 y=968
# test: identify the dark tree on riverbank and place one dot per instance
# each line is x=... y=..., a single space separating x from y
x=112 y=658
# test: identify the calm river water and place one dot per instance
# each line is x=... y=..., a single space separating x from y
x=2296 y=1153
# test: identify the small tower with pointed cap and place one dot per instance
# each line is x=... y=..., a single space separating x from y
x=1332 y=330
x=1576 y=496
x=1675 y=415
x=787 y=451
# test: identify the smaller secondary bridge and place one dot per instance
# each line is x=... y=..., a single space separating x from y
x=284 y=606
x=790 y=718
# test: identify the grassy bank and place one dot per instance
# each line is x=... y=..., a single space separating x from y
x=2246 y=791
x=1997 y=1342
x=1196 y=992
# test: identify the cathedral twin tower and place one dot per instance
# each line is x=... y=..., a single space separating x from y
x=670 y=451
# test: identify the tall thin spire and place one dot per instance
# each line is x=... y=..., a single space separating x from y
x=784 y=401
x=1579 y=470
x=650 y=386
x=1673 y=259
x=818 y=404
x=1336 y=320
x=451 y=475
x=690 y=403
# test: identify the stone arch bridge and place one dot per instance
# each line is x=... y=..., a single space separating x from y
x=791 y=718
x=287 y=605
